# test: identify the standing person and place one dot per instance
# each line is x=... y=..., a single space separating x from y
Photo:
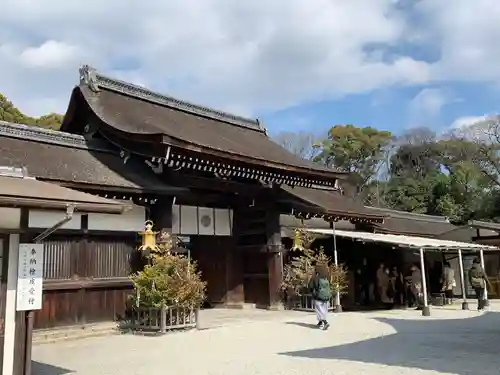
x=380 y=280
x=410 y=296
x=416 y=285
x=321 y=293
x=478 y=281
x=387 y=289
x=399 y=286
x=448 y=283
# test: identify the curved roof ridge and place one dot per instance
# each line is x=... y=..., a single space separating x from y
x=95 y=81
x=42 y=135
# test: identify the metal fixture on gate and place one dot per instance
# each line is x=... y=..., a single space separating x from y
x=298 y=240
x=148 y=238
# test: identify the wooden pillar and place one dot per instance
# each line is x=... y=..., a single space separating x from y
x=161 y=214
x=274 y=259
x=463 y=287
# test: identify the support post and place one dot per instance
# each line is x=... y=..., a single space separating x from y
x=338 y=306
x=425 y=309
x=30 y=318
x=275 y=259
x=161 y=214
x=465 y=304
x=486 y=300
x=163 y=319
x=275 y=272
x=197 y=318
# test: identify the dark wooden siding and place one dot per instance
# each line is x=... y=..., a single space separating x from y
x=57 y=258
x=86 y=279
x=108 y=258
x=73 y=257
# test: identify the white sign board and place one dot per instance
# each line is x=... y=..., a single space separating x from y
x=30 y=277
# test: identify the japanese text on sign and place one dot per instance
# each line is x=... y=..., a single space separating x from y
x=30 y=277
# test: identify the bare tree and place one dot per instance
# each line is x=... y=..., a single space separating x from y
x=298 y=143
x=483 y=138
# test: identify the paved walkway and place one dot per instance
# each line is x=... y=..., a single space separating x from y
x=274 y=343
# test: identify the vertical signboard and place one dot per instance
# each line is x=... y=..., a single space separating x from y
x=30 y=277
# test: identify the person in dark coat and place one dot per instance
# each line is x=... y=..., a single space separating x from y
x=478 y=281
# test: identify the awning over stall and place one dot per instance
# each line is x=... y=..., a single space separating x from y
x=406 y=241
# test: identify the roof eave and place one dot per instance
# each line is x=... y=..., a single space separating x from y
x=170 y=190
x=87 y=207
x=169 y=141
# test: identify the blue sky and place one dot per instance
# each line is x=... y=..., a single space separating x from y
x=388 y=109
x=295 y=64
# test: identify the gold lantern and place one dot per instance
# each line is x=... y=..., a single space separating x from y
x=298 y=240
x=148 y=238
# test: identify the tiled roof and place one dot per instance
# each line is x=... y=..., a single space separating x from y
x=59 y=156
x=135 y=110
x=333 y=203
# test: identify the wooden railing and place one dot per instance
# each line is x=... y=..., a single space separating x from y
x=160 y=320
x=305 y=302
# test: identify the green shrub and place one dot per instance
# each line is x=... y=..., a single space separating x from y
x=169 y=280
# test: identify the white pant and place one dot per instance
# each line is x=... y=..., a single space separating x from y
x=321 y=308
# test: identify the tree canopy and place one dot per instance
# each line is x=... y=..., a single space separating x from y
x=9 y=113
x=455 y=175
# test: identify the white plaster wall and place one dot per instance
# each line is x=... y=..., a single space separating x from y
x=187 y=220
x=46 y=219
x=130 y=221
x=10 y=306
x=10 y=218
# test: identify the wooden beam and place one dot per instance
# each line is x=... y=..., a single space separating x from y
x=86 y=283
x=215 y=184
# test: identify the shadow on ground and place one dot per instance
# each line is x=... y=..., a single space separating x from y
x=304 y=325
x=38 y=368
x=457 y=346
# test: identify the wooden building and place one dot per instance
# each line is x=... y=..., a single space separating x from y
x=486 y=233
x=20 y=195
x=213 y=178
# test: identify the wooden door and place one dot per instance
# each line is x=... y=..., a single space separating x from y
x=210 y=254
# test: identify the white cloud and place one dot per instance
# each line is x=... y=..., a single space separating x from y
x=51 y=55
x=465 y=121
x=430 y=101
x=239 y=55
x=424 y=108
x=247 y=56
x=466 y=35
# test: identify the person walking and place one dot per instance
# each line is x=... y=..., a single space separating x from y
x=448 y=283
x=478 y=281
x=321 y=293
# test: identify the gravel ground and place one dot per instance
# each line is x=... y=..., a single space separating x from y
x=274 y=343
